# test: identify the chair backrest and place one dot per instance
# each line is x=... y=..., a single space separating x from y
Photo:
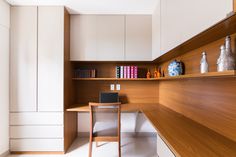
x=105 y=119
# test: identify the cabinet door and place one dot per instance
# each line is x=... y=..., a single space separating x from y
x=50 y=58
x=138 y=40
x=23 y=59
x=83 y=38
x=110 y=38
x=181 y=20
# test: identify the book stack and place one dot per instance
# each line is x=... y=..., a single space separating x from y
x=126 y=72
x=85 y=73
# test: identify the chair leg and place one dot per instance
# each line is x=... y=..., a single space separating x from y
x=119 y=148
x=90 y=147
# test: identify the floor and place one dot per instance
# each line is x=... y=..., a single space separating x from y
x=131 y=147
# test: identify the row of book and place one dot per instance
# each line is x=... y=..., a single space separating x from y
x=126 y=72
x=85 y=73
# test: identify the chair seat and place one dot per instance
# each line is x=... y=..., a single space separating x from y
x=108 y=128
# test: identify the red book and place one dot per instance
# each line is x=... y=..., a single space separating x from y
x=125 y=71
x=128 y=71
x=135 y=72
x=132 y=72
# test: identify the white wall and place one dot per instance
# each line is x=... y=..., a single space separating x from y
x=4 y=72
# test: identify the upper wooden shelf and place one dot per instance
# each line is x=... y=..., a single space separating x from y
x=220 y=30
x=230 y=73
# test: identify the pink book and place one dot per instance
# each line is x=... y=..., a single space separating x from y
x=135 y=72
x=125 y=71
x=128 y=71
x=132 y=72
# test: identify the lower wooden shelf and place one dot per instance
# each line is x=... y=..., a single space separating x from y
x=230 y=73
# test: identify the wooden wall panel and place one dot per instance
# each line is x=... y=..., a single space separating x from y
x=192 y=58
x=210 y=102
x=70 y=118
x=131 y=91
x=234 y=3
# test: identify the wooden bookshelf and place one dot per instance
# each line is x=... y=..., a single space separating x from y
x=230 y=73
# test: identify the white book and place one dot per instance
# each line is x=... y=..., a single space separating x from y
x=121 y=71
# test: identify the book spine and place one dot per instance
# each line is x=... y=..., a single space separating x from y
x=117 y=71
x=128 y=71
x=121 y=71
x=125 y=71
x=135 y=72
x=132 y=72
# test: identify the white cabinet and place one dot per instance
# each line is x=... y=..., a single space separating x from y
x=162 y=149
x=83 y=42
x=181 y=20
x=50 y=58
x=138 y=39
x=110 y=37
x=23 y=58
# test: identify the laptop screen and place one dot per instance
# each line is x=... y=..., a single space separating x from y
x=108 y=97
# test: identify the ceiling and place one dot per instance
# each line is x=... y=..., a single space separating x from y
x=97 y=6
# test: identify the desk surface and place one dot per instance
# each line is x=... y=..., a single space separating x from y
x=185 y=137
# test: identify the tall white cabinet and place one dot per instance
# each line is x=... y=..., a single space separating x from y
x=37 y=67
x=4 y=71
x=23 y=59
x=50 y=58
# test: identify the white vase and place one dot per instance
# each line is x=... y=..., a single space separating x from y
x=204 y=64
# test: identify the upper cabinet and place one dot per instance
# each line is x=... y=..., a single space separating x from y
x=138 y=38
x=83 y=42
x=182 y=20
x=110 y=38
x=23 y=58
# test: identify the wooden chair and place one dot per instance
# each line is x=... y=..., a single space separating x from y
x=102 y=114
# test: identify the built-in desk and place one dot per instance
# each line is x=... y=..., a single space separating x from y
x=183 y=136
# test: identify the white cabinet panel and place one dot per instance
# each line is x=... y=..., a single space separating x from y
x=50 y=58
x=156 y=31
x=181 y=20
x=110 y=37
x=36 y=145
x=4 y=14
x=36 y=132
x=36 y=118
x=162 y=149
x=138 y=40
x=23 y=59
x=83 y=38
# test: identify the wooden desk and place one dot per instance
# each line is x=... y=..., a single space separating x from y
x=185 y=137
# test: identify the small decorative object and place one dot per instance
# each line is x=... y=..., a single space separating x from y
x=148 y=74
x=221 y=59
x=175 y=68
x=159 y=72
x=204 y=64
x=155 y=73
x=163 y=74
x=229 y=54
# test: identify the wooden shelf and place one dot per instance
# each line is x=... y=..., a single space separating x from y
x=230 y=73
x=114 y=79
